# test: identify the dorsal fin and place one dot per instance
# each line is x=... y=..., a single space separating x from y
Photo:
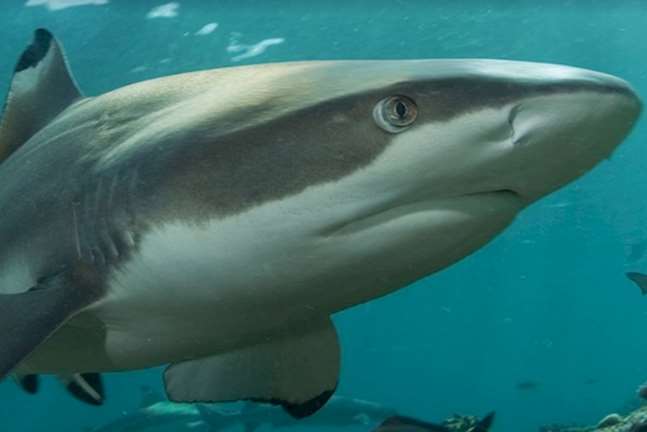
x=41 y=88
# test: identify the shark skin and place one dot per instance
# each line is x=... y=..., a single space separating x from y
x=215 y=220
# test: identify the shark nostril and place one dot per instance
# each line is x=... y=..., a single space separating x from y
x=511 y=117
x=512 y=114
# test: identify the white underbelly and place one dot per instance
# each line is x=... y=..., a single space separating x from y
x=196 y=290
x=200 y=290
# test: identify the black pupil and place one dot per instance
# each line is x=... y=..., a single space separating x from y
x=400 y=109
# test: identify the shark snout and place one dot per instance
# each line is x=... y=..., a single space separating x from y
x=560 y=133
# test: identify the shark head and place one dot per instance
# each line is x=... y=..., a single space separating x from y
x=310 y=168
x=404 y=166
x=482 y=126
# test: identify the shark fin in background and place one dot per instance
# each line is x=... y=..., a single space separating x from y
x=298 y=371
x=27 y=319
x=86 y=387
x=41 y=88
x=29 y=383
x=484 y=424
x=640 y=280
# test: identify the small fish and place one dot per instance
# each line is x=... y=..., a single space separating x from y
x=527 y=385
x=642 y=390
x=640 y=280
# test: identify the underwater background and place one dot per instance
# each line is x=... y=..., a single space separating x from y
x=546 y=303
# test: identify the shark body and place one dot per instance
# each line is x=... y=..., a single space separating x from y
x=214 y=220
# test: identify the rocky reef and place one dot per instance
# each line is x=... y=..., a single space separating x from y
x=461 y=423
x=635 y=421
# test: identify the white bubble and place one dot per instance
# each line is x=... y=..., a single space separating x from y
x=168 y=10
x=251 y=50
x=63 y=4
x=207 y=29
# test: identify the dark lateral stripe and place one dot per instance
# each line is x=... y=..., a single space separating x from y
x=35 y=52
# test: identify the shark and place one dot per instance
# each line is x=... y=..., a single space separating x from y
x=214 y=221
x=156 y=414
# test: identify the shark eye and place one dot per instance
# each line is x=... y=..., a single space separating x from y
x=394 y=114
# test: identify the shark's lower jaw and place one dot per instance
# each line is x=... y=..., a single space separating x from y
x=501 y=203
x=400 y=244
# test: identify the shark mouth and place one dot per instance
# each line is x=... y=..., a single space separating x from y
x=499 y=202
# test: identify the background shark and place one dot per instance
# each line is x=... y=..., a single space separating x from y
x=157 y=414
x=215 y=220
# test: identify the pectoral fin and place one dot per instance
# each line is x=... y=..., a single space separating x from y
x=28 y=319
x=86 y=387
x=298 y=370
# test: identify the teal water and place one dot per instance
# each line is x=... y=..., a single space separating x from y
x=547 y=301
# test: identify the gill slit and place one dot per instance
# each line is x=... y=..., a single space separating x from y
x=77 y=239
